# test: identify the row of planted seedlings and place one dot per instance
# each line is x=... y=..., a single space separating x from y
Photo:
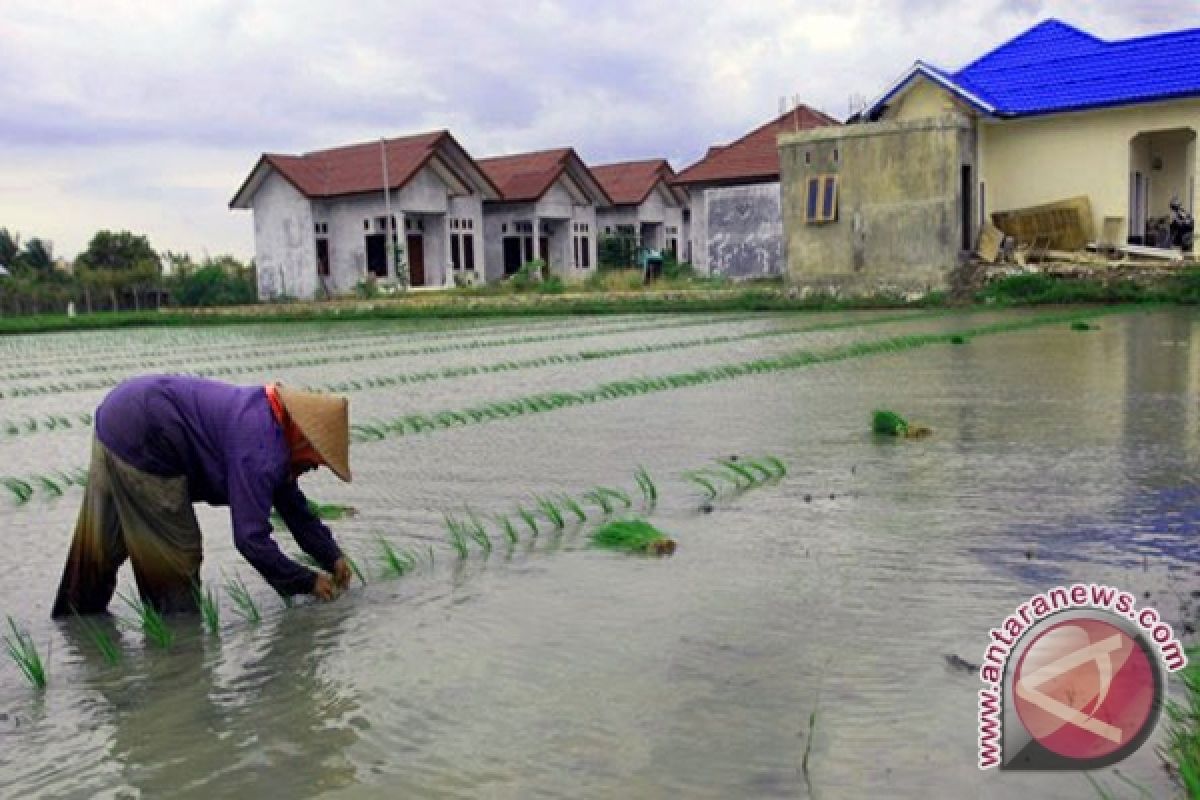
x=100 y=359
x=31 y=425
x=544 y=402
x=336 y=356
x=617 y=523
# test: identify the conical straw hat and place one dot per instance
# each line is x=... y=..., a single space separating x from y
x=325 y=420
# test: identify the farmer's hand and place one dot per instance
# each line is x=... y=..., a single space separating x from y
x=342 y=573
x=323 y=588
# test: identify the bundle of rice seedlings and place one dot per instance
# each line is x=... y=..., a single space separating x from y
x=704 y=482
x=478 y=533
x=889 y=423
x=20 y=489
x=24 y=654
x=633 y=536
x=649 y=490
x=358 y=573
x=396 y=562
x=210 y=610
x=458 y=536
x=572 y=505
x=1081 y=325
x=510 y=531
x=529 y=519
x=99 y=638
x=150 y=621
x=551 y=512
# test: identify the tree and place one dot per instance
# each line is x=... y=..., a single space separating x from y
x=117 y=251
x=38 y=256
x=10 y=246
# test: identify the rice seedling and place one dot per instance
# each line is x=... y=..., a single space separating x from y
x=397 y=563
x=358 y=573
x=478 y=533
x=765 y=473
x=551 y=512
x=529 y=520
x=706 y=485
x=649 y=490
x=780 y=467
x=20 y=489
x=49 y=486
x=1182 y=749
x=616 y=494
x=150 y=621
x=632 y=536
x=1083 y=325
x=956 y=339
x=510 y=530
x=210 y=610
x=743 y=476
x=572 y=505
x=99 y=638
x=601 y=500
x=243 y=602
x=22 y=650
x=458 y=536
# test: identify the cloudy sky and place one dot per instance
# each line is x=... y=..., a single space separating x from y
x=146 y=116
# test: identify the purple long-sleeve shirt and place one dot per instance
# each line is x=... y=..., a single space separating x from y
x=226 y=441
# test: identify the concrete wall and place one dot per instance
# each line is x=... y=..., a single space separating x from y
x=744 y=230
x=285 y=251
x=899 y=205
x=1026 y=162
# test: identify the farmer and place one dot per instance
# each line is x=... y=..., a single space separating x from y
x=165 y=442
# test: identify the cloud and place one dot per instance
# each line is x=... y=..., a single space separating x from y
x=147 y=116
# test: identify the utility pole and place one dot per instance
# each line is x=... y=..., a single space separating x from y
x=387 y=210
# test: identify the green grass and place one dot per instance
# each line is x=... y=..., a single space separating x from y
x=24 y=653
x=629 y=536
x=210 y=609
x=243 y=602
x=1182 y=749
x=152 y=623
x=888 y=423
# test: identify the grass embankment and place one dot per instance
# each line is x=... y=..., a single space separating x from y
x=1182 y=288
x=1182 y=750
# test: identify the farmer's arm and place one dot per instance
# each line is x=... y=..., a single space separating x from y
x=251 y=488
x=310 y=533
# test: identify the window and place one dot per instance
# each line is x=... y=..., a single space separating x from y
x=504 y=228
x=837 y=155
x=366 y=224
x=820 y=203
x=381 y=223
x=807 y=156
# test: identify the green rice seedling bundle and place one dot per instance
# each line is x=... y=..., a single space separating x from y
x=778 y=465
x=49 y=486
x=1083 y=325
x=707 y=486
x=24 y=654
x=150 y=622
x=358 y=573
x=572 y=505
x=510 y=530
x=743 y=477
x=632 y=536
x=957 y=339
x=478 y=533
x=243 y=602
x=210 y=610
x=397 y=563
x=530 y=520
x=99 y=638
x=21 y=490
x=649 y=490
x=457 y=533
x=551 y=513
x=601 y=500
x=888 y=423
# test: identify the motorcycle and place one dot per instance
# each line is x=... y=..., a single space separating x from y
x=1182 y=226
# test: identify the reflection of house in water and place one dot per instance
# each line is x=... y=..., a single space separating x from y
x=1055 y=113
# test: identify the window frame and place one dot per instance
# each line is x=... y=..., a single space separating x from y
x=821 y=199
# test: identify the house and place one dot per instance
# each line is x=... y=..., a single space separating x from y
x=1054 y=114
x=322 y=219
x=647 y=210
x=735 y=218
x=546 y=210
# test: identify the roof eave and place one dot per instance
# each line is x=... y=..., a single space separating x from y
x=920 y=69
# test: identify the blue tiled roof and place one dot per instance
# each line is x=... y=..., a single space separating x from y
x=1054 y=67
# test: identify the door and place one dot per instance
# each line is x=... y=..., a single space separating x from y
x=544 y=249
x=323 y=257
x=377 y=255
x=416 y=259
x=512 y=255
x=1137 y=209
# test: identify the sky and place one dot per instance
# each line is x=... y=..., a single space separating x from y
x=147 y=116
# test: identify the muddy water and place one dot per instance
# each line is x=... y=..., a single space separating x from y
x=556 y=670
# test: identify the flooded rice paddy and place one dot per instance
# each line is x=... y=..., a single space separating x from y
x=795 y=645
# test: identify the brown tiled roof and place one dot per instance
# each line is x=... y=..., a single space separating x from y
x=525 y=177
x=631 y=182
x=358 y=167
x=755 y=155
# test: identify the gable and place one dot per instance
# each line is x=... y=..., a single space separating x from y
x=924 y=99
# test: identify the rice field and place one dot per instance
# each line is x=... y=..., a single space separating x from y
x=610 y=556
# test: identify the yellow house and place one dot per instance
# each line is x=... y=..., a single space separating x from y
x=1055 y=113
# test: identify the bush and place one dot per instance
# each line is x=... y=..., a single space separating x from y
x=530 y=273
x=367 y=289
x=616 y=252
x=552 y=285
x=211 y=285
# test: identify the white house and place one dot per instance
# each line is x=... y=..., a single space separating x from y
x=645 y=206
x=546 y=209
x=321 y=220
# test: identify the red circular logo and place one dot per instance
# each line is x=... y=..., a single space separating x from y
x=1085 y=689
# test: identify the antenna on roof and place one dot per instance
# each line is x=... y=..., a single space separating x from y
x=782 y=105
x=796 y=112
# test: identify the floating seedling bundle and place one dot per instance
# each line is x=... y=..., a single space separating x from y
x=633 y=536
x=889 y=423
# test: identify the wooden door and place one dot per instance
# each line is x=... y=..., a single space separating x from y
x=416 y=259
x=377 y=255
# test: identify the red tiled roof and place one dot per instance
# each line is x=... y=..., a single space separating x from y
x=526 y=176
x=358 y=167
x=755 y=155
x=631 y=182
